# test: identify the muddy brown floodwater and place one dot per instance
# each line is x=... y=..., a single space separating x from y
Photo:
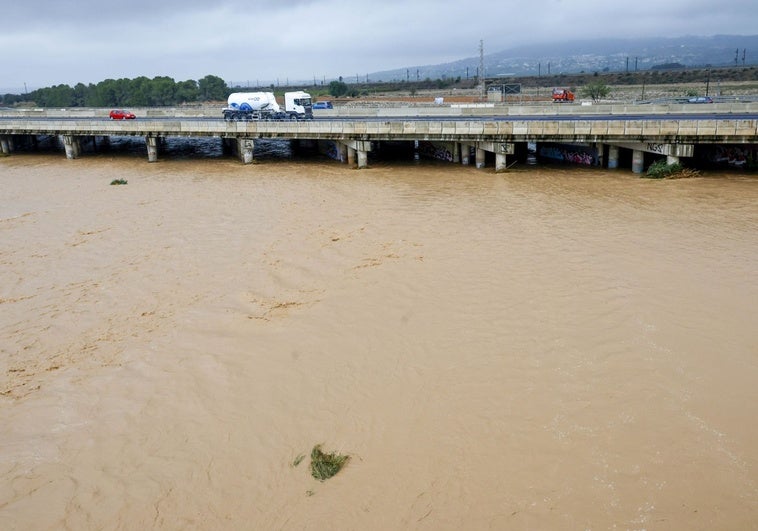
x=542 y=349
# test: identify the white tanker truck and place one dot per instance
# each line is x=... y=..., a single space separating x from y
x=263 y=106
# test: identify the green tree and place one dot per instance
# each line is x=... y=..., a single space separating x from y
x=56 y=96
x=107 y=93
x=186 y=91
x=596 y=90
x=162 y=89
x=338 y=88
x=80 y=94
x=212 y=88
x=139 y=92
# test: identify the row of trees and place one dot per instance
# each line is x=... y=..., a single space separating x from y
x=137 y=92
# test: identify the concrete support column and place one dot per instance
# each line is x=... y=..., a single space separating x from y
x=245 y=148
x=456 y=153
x=480 y=157
x=500 y=164
x=351 y=156
x=5 y=145
x=600 y=150
x=152 y=148
x=71 y=145
x=465 y=154
x=638 y=161
x=670 y=159
x=362 y=159
x=343 y=149
x=613 y=157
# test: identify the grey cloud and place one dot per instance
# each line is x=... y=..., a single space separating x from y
x=89 y=40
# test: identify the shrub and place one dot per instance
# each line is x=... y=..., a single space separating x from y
x=596 y=90
x=662 y=170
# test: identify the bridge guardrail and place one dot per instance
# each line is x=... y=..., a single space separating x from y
x=500 y=109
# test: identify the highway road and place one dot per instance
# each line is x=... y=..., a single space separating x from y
x=438 y=118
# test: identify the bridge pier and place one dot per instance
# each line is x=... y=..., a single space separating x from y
x=245 y=148
x=5 y=145
x=600 y=151
x=500 y=163
x=638 y=161
x=465 y=154
x=500 y=149
x=152 y=148
x=72 y=146
x=358 y=149
x=362 y=159
x=613 y=157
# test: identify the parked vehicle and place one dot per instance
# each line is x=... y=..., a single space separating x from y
x=562 y=95
x=263 y=106
x=120 y=114
x=323 y=105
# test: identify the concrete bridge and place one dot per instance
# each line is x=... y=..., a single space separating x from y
x=465 y=137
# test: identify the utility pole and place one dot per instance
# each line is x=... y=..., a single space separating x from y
x=481 y=68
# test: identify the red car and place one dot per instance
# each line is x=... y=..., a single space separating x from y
x=120 y=114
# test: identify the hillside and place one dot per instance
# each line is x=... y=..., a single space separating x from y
x=600 y=55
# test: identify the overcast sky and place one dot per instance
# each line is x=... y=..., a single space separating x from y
x=51 y=42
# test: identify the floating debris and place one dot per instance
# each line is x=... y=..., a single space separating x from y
x=324 y=466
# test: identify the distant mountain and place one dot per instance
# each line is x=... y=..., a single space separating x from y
x=599 y=55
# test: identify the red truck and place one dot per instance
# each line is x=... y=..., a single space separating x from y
x=561 y=95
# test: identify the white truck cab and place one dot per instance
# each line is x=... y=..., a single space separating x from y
x=298 y=105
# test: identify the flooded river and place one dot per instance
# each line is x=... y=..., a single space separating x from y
x=548 y=348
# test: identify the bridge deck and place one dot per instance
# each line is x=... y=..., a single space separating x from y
x=580 y=129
